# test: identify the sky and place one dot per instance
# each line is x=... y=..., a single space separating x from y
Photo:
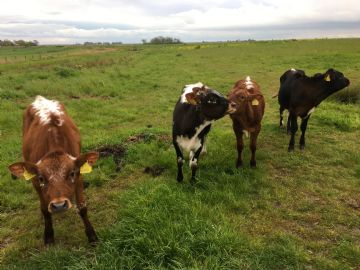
x=130 y=21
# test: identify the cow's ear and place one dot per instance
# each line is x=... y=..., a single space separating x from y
x=328 y=76
x=191 y=98
x=23 y=169
x=86 y=161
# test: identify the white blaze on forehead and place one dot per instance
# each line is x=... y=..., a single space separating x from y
x=248 y=83
x=293 y=69
x=45 y=108
x=188 y=89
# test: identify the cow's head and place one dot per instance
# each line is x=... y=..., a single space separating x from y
x=55 y=177
x=211 y=103
x=335 y=80
x=240 y=98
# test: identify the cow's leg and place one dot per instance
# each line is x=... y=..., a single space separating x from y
x=49 y=231
x=288 y=125
x=303 y=126
x=89 y=230
x=281 y=116
x=294 y=128
x=239 y=142
x=81 y=205
x=194 y=163
x=180 y=161
x=253 y=140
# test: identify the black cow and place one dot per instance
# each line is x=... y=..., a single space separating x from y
x=300 y=95
x=197 y=108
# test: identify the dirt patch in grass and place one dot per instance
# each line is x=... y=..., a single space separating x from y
x=154 y=171
x=117 y=151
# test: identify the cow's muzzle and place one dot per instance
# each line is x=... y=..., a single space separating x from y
x=232 y=107
x=59 y=205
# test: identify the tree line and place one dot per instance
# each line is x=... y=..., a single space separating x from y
x=162 y=40
x=20 y=43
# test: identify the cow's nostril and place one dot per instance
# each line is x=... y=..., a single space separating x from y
x=59 y=206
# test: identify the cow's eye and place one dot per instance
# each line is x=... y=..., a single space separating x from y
x=41 y=180
x=212 y=101
x=72 y=174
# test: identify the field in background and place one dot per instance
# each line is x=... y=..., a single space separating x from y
x=295 y=211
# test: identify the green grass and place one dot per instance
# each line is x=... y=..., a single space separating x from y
x=295 y=211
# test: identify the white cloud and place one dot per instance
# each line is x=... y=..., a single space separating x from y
x=130 y=21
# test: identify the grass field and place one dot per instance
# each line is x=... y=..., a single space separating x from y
x=295 y=211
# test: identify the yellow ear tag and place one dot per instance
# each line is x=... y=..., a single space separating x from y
x=28 y=175
x=255 y=102
x=86 y=168
x=327 y=78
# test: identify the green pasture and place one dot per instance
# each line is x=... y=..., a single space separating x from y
x=297 y=210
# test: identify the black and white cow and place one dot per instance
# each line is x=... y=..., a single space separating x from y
x=197 y=108
x=300 y=95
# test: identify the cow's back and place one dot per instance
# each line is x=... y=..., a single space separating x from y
x=289 y=82
x=46 y=130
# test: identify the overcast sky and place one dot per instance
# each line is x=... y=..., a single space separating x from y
x=129 y=21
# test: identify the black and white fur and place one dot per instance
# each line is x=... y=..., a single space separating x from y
x=197 y=108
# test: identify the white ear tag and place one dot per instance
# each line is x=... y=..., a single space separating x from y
x=86 y=168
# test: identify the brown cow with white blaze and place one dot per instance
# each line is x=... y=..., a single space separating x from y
x=249 y=103
x=52 y=160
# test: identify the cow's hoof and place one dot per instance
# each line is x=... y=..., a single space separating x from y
x=239 y=164
x=291 y=149
x=253 y=164
x=49 y=241
x=93 y=240
x=302 y=146
x=193 y=181
x=180 y=178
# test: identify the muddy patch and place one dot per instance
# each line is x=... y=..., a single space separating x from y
x=154 y=171
x=117 y=151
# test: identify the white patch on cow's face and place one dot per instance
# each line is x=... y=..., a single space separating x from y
x=194 y=143
x=188 y=89
x=248 y=83
x=293 y=70
x=45 y=108
x=310 y=111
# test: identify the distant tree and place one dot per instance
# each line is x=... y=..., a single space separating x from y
x=6 y=42
x=144 y=41
x=19 y=42
x=165 y=40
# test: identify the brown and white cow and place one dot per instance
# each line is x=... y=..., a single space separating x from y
x=249 y=103
x=52 y=160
